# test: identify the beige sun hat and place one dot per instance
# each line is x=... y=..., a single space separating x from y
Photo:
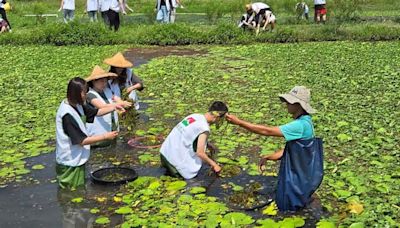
x=118 y=60
x=301 y=95
x=248 y=6
x=98 y=73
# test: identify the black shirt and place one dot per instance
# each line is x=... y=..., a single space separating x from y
x=71 y=127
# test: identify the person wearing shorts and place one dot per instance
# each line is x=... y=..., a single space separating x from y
x=320 y=11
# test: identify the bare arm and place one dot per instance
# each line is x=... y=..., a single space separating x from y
x=201 y=145
x=105 y=110
x=255 y=128
x=274 y=157
x=98 y=138
x=61 y=5
x=136 y=86
x=99 y=104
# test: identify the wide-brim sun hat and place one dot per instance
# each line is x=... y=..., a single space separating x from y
x=98 y=73
x=118 y=60
x=301 y=95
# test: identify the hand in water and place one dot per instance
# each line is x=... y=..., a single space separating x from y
x=217 y=168
x=261 y=164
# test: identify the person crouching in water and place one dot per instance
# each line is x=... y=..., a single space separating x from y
x=72 y=140
x=96 y=98
x=184 y=150
x=126 y=82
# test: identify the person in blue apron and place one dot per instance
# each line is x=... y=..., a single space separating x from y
x=72 y=140
x=301 y=168
x=96 y=98
x=126 y=82
x=184 y=150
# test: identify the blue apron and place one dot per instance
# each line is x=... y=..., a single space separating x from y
x=300 y=173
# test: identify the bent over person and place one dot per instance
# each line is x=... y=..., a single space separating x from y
x=301 y=167
x=184 y=150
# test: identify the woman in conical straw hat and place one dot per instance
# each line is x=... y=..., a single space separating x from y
x=301 y=129
x=96 y=98
x=126 y=82
x=72 y=139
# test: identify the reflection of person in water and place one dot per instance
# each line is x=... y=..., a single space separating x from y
x=74 y=215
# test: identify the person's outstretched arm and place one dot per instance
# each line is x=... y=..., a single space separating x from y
x=255 y=128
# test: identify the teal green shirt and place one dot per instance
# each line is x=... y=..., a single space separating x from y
x=301 y=128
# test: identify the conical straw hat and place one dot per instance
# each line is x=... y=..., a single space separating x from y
x=118 y=60
x=98 y=73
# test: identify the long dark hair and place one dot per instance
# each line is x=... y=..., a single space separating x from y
x=75 y=87
x=121 y=79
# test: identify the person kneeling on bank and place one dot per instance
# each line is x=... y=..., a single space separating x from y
x=184 y=150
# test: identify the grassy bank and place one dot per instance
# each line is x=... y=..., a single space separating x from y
x=185 y=34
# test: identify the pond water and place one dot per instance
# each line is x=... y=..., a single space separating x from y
x=38 y=202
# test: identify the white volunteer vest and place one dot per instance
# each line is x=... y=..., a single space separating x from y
x=178 y=146
x=101 y=124
x=92 y=5
x=66 y=153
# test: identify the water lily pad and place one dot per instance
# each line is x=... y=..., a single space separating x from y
x=176 y=185
x=77 y=200
x=94 y=210
x=271 y=209
x=38 y=167
x=124 y=210
x=102 y=220
x=196 y=190
x=236 y=219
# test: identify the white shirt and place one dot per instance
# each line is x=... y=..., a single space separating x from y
x=115 y=6
x=104 y=5
x=319 y=2
x=69 y=4
x=178 y=146
x=256 y=7
x=92 y=5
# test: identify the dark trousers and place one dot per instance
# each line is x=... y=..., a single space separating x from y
x=105 y=17
x=4 y=16
x=113 y=17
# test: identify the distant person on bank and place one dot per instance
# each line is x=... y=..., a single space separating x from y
x=5 y=6
x=174 y=5
x=302 y=10
x=320 y=11
x=110 y=10
x=260 y=15
x=68 y=8
x=4 y=27
x=72 y=140
x=92 y=6
x=163 y=10
x=184 y=150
